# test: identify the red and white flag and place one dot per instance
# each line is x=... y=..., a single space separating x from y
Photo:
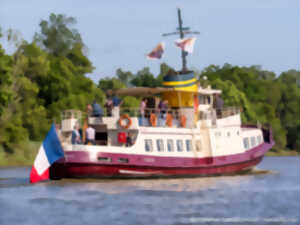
x=186 y=44
x=157 y=52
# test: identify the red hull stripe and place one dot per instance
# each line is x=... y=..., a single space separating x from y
x=88 y=170
x=77 y=164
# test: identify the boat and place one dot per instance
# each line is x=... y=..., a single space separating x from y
x=192 y=137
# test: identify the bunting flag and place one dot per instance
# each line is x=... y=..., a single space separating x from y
x=157 y=52
x=186 y=44
x=49 y=152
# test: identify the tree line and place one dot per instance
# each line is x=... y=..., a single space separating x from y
x=48 y=75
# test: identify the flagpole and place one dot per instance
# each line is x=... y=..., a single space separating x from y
x=183 y=53
x=181 y=31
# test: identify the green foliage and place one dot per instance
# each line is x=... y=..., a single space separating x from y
x=124 y=77
x=145 y=78
x=5 y=79
x=110 y=84
x=56 y=36
x=37 y=84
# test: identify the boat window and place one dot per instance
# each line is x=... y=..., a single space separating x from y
x=148 y=145
x=123 y=160
x=198 y=145
x=104 y=159
x=259 y=139
x=253 y=141
x=218 y=134
x=160 y=145
x=188 y=144
x=179 y=145
x=170 y=145
x=204 y=99
x=246 y=143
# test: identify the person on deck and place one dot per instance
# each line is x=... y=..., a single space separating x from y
x=129 y=140
x=90 y=135
x=97 y=111
x=219 y=105
x=142 y=109
x=116 y=102
x=109 y=106
x=76 y=137
x=163 y=107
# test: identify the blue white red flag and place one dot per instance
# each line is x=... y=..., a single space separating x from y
x=49 y=152
x=186 y=44
x=157 y=52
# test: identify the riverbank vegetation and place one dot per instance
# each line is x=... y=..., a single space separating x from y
x=43 y=77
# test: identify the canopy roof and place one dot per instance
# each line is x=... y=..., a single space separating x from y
x=140 y=91
x=147 y=91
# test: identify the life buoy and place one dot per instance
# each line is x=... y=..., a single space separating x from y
x=182 y=121
x=169 y=120
x=153 y=120
x=125 y=117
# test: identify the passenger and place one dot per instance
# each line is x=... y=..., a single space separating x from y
x=163 y=107
x=116 y=102
x=76 y=137
x=219 y=105
x=90 y=135
x=109 y=106
x=142 y=110
x=97 y=110
x=129 y=141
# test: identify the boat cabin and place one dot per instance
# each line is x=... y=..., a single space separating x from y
x=186 y=109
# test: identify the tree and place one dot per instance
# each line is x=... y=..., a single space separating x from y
x=57 y=36
x=5 y=79
x=124 y=77
x=110 y=84
x=144 y=78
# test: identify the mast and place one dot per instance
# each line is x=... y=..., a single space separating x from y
x=182 y=31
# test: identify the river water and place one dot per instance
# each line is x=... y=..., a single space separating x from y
x=270 y=195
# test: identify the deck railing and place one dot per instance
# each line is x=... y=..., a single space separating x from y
x=176 y=115
x=219 y=114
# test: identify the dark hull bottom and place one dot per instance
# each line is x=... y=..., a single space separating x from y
x=76 y=170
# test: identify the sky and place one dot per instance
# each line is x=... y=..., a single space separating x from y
x=119 y=33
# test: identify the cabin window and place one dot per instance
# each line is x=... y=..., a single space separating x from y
x=259 y=140
x=160 y=145
x=179 y=145
x=148 y=145
x=170 y=145
x=198 y=145
x=253 y=141
x=218 y=134
x=188 y=144
x=246 y=143
x=201 y=99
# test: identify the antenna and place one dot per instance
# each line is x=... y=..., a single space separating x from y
x=182 y=31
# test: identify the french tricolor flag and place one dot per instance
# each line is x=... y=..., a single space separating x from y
x=49 y=152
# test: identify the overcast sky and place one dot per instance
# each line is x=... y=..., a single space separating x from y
x=120 y=33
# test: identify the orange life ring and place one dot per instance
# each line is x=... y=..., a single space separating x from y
x=125 y=117
x=182 y=121
x=169 y=120
x=153 y=120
